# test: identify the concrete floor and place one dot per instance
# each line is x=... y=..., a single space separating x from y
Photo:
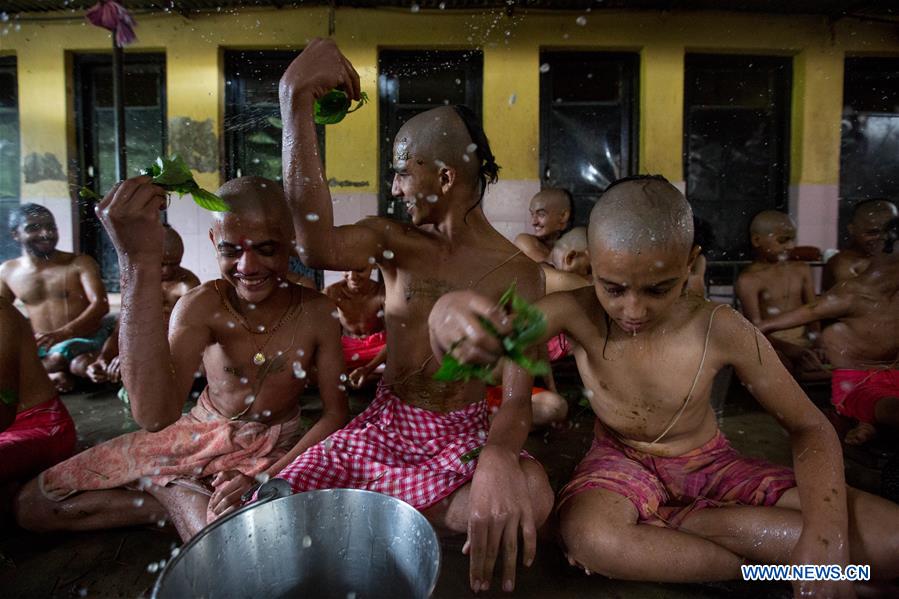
x=115 y=563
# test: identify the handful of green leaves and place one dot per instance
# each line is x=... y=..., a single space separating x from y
x=528 y=325
x=173 y=174
x=331 y=108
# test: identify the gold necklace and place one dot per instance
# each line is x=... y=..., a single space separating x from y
x=259 y=357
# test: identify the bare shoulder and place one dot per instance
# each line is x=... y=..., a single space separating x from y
x=333 y=290
x=82 y=261
x=531 y=246
x=800 y=267
x=8 y=267
x=321 y=311
x=198 y=304
x=728 y=330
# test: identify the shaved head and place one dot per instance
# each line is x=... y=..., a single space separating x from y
x=552 y=198
x=640 y=213
x=172 y=246
x=448 y=136
x=769 y=222
x=878 y=210
x=574 y=240
x=256 y=198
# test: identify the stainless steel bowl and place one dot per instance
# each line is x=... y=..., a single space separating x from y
x=340 y=543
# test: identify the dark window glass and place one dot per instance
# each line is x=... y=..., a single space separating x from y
x=588 y=121
x=145 y=137
x=10 y=173
x=252 y=113
x=736 y=143
x=869 y=148
x=410 y=82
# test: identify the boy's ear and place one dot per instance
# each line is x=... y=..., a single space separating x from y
x=570 y=256
x=694 y=253
x=447 y=176
x=754 y=240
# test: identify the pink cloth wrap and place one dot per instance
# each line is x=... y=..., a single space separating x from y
x=200 y=444
x=394 y=448
x=665 y=490
x=855 y=393
x=39 y=437
x=558 y=347
x=359 y=351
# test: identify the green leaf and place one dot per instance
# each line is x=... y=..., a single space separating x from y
x=209 y=201
x=470 y=455
x=262 y=138
x=528 y=325
x=331 y=108
x=275 y=122
x=173 y=172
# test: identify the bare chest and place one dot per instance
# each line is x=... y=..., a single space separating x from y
x=35 y=287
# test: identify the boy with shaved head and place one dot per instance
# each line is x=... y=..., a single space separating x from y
x=773 y=284
x=863 y=343
x=255 y=334
x=661 y=495
x=550 y=212
x=417 y=438
x=866 y=238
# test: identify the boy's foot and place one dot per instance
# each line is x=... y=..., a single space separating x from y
x=860 y=434
x=62 y=381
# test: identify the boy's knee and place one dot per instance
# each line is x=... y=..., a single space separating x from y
x=542 y=497
x=55 y=363
x=32 y=510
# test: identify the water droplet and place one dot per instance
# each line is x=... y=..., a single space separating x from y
x=371 y=260
x=380 y=314
x=471 y=148
x=335 y=314
x=230 y=324
x=581 y=20
x=298 y=371
x=432 y=198
x=153 y=567
x=251 y=306
x=354 y=357
x=544 y=68
x=388 y=254
x=250 y=399
x=312 y=217
x=138 y=502
x=307 y=542
x=244 y=380
x=512 y=99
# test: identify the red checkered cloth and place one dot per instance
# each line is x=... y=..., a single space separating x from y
x=397 y=449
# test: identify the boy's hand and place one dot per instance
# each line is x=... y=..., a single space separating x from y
x=96 y=371
x=499 y=507
x=357 y=376
x=455 y=327
x=318 y=69
x=130 y=214
x=49 y=339
x=810 y=549
x=229 y=487
x=114 y=370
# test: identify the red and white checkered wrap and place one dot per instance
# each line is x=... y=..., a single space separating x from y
x=397 y=449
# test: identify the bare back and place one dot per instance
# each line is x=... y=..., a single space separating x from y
x=20 y=363
x=55 y=291
x=424 y=266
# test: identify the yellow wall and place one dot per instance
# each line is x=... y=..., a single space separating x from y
x=194 y=76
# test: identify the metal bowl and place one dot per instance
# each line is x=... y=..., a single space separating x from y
x=340 y=543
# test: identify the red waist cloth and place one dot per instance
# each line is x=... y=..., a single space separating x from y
x=359 y=351
x=40 y=437
x=410 y=453
x=855 y=393
x=558 y=347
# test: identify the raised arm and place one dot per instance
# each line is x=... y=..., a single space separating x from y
x=157 y=378
x=817 y=458
x=316 y=71
x=831 y=305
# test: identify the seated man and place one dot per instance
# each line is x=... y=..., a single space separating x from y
x=863 y=343
x=36 y=430
x=415 y=440
x=176 y=281
x=550 y=212
x=256 y=337
x=865 y=238
x=63 y=296
x=568 y=268
x=661 y=495
x=773 y=284
x=360 y=308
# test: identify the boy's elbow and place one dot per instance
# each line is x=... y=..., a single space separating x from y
x=153 y=421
